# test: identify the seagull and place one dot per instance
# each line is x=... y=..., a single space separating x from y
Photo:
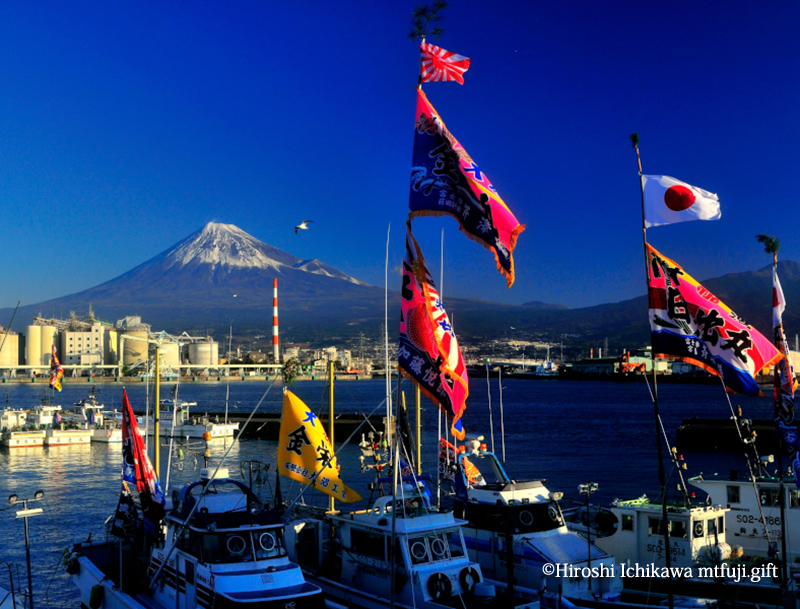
x=302 y=226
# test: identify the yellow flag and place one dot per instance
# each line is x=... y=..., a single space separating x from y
x=304 y=450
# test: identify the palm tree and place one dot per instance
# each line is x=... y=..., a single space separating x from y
x=771 y=246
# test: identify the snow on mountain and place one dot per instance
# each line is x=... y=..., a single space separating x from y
x=229 y=246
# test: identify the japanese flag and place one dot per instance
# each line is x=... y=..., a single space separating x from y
x=667 y=201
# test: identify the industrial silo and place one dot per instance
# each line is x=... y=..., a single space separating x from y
x=33 y=346
x=48 y=339
x=170 y=355
x=204 y=354
x=134 y=346
x=9 y=349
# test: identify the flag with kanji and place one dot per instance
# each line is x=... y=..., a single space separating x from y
x=428 y=351
x=783 y=381
x=305 y=453
x=438 y=65
x=689 y=323
x=445 y=180
x=56 y=371
x=137 y=470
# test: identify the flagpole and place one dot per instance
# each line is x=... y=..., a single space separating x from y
x=662 y=480
x=778 y=333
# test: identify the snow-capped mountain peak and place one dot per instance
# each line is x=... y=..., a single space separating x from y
x=228 y=245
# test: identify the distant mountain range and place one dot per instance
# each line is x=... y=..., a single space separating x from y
x=221 y=273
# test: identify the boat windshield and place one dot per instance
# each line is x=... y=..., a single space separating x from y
x=432 y=547
x=234 y=546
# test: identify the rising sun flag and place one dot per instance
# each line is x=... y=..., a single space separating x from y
x=783 y=381
x=446 y=181
x=438 y=65
x=428 y=351
x=305 y=453
x=689 y=323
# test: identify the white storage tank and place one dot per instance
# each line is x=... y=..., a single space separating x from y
x=48 y=340
x=33 y=346
x=204 y=354
x=170 y=355
x=134 y=346
x=9 y=349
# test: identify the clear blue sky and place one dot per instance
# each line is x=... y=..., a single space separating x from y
x=124 y=127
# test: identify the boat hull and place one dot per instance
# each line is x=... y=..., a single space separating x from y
x=22 y=439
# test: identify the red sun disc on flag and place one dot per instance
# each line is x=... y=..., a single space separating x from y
x=679 y=198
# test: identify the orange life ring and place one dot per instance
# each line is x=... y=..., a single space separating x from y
x=108 y=433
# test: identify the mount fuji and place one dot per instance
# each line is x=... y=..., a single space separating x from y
x=219 y=274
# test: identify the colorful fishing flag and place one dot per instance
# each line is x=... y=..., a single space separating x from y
x=667 y=201
x=783 y=381
x=447 y=460
x=56 y=371
x=439 y=65
x=305 y=453
x=137 y=470
x=428 y=352
x=446 y=181
x=689 y=323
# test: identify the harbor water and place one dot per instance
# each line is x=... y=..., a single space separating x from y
x=567 y=432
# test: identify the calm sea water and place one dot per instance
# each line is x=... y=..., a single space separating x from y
x=568 y=432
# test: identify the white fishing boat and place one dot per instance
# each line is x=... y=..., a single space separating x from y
x=220 y=547
x=57 y=432
x=349 y=555
x=17 y=430
x=515 y=528
x=746 y=501
x=176 y=421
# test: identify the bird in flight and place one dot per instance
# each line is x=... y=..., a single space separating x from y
x=302 y=226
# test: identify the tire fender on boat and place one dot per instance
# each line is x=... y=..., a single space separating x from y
x=468 y=578
x=96 y=596
x=439 y=586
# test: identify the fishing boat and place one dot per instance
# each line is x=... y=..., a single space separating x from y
x=17 y=431
x=219 y=546
x=106 y=426
x=176 y=421
x=349 y=555
x=747 y=500
x=516 y=527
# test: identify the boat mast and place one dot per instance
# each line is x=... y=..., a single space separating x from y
x=331 y=500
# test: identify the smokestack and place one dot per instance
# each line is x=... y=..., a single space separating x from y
x=275 y=349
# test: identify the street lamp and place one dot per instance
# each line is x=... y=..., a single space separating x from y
x=587 y=489
x=26 y=513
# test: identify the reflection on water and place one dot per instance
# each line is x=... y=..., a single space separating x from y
x=567 y=432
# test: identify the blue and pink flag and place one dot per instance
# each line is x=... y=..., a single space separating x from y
x=783 y=381
x=689 y=323
x=446 y=181
x=428 y=352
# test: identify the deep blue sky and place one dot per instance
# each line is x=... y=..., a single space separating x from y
x=124 y=127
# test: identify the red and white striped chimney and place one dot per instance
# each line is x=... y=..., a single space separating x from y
x=275 y=345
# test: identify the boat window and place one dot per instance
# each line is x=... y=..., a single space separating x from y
x=721 y=524
x=794 y=496
x=733 y=494
x=655 y=526
x=456 y=544
x=712 y=527
x=769 y=496
x=227 y=547
x=368 y=543
x=418 y=550
x=627 y=522
x=268 y=544
x=677 y=529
